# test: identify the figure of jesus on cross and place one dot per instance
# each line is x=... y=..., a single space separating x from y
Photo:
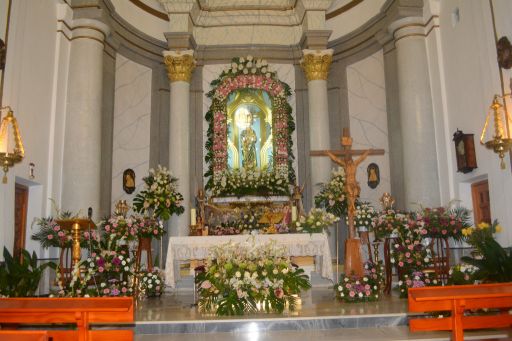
x=353 y=261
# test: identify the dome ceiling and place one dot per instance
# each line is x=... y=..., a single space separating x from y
x=243 y=22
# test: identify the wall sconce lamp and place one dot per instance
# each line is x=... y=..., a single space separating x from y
x=501 y=142
x=11 y=147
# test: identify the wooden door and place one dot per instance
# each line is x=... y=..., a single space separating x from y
x=481 y=202
x=20 y=218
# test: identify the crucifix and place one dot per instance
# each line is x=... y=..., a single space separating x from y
x=353 y=261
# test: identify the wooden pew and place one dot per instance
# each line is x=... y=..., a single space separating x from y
x=457 y=299
x=81 y=312
x=23 y=335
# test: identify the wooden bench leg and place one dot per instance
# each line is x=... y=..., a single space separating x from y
x=457 y=328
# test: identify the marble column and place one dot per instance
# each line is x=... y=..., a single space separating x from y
x=82 y=148
x=316 y=68
x=420 y=170
x=315 y=64
x=180 y=65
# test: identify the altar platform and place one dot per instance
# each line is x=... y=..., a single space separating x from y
x=320 y=317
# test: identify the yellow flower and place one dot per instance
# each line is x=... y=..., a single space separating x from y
x=499 y=228
x=467 y=232
x=483 y=225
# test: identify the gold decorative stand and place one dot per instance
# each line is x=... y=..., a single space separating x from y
x=76 y=226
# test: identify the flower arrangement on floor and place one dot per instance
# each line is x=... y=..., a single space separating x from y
x=407 y=250
x=150 y=283
x=248 y=74
x=415 y=279
x=355 y=289
x=251 y=182
x=107 y=272
x=160 y=195
x=332 y=196
x=364 y=216
x=388 y=222
x=240 y=279
x=461 y=274
x=494 y=263
x=316 y=221
x=443 y=222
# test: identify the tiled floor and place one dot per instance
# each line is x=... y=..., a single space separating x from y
x=317 y=304
x=352 y=334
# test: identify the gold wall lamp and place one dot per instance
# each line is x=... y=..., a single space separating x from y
x=501 y=142
x=11 y=147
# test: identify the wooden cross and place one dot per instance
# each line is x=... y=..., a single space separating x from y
x=352 y=252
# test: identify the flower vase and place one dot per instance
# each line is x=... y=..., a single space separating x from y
x=144 y=245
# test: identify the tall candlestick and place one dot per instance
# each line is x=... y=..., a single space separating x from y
x=294 y=213
x=193 y=220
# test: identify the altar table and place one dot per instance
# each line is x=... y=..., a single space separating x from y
x=295 y=244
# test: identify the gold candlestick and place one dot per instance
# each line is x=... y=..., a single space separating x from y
x=76 y=226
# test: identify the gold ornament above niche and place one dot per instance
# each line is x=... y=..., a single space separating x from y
x=179 y=66
x=316 y=64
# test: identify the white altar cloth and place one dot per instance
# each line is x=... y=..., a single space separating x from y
x=295 y=244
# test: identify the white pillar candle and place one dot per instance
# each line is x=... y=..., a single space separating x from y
x=193 y=220
x=294 y=213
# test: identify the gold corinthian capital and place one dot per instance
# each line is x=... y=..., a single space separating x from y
x=179 y=66
x=316 y=64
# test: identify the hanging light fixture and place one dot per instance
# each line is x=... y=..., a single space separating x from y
x=11 y=147
x=501 y=142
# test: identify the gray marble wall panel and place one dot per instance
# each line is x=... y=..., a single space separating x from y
x=368 y=120
x=197 y=137
x=107 y=127
x=302 y=131
x=160 y=96
x=132 y=113
x=394 y=128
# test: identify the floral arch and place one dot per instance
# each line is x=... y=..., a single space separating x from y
x=247 y=95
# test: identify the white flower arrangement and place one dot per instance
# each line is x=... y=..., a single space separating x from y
x=364 y=216
x=160 y=196
x=332 y=196
x=316 y=221
x=236 y=276
x=151 y=283
x=251 y=182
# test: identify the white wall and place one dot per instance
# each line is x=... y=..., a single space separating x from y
x=132 y=112
x=368 y=121
x=468 y=57
x=29 y=89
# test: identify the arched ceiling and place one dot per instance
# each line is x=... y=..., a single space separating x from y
x=244 y=22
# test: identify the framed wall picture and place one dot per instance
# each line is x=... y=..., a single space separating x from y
x=129 y=181
x=373 y=175
x=464 y=151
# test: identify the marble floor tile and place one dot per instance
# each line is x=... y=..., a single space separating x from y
x=359 y=334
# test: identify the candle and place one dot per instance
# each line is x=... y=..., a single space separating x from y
x=193 y=220
x=294 y=213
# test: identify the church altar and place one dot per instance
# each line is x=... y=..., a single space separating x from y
x=295 y=244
